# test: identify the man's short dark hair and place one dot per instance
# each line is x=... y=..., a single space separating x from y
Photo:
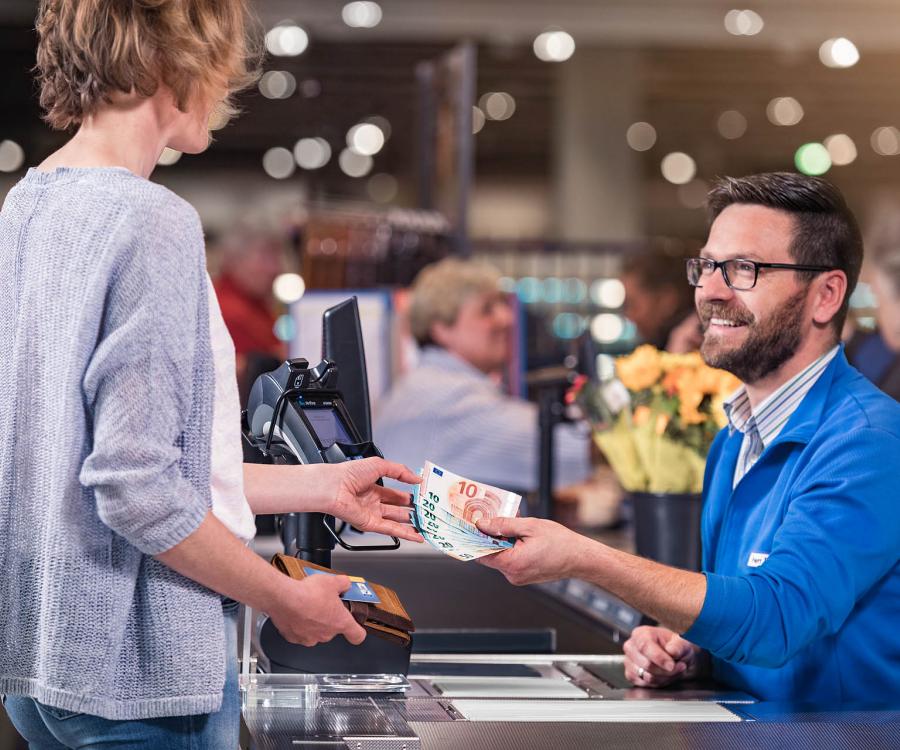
x=825 y=230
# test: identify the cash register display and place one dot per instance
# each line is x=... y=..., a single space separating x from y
x=327 y=425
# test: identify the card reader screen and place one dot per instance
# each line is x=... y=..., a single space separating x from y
x=327 y=425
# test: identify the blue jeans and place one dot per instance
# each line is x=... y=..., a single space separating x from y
x=49 y=728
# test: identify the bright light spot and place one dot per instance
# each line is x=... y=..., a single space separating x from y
x=838 y=53
x=784 y=110
x=606 y=367
x=641 y=136
x=607 y=327
x=381 y=123
x=366 y=139
x=288 y=287
x=287 y=40
x=608 y=293
x=312 y=153
x=382 y=187
x=574 y=291
x=277 y=84
x=497 y=105
x=731 y=124
x=886 y=141
x=12 y=156
x=167 y=158
x=529 y=289
x=361 y=15
x=568 y=325
x=478 y=120
x=693 y=194
x=678 y=168
x=554 y=46
x=278 y=163
x=743 y=22
x=354 y=164
x=813 y=159
x=284 y=328
x=841 y=149
x=553 y=290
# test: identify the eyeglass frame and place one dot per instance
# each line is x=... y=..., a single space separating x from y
x=716 y=264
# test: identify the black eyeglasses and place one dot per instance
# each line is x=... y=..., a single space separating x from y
x=739 y=274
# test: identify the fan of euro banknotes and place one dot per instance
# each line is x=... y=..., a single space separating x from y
x=446 y=507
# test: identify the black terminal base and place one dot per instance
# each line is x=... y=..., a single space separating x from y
x=375 y=655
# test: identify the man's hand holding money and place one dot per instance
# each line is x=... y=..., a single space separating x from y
x=544 y=550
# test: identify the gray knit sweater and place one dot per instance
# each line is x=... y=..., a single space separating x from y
x=105 y=417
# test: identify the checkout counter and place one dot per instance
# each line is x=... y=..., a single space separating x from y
x=471 y=687
x=492 y=665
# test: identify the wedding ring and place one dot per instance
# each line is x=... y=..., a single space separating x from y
x=640 y=673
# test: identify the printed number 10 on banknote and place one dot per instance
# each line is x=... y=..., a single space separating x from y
x=465 y=499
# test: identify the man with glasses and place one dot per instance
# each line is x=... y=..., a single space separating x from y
x=801 y=530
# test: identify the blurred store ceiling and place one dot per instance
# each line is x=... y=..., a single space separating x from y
x=691 y=71
x=789 y=23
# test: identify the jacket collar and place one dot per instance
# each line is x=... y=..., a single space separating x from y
x=807 y=418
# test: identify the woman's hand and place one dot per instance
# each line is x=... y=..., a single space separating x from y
x=351 y=494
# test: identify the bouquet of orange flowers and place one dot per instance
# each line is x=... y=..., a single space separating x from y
x=656 y=420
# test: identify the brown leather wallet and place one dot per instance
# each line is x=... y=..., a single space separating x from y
x=388 y=619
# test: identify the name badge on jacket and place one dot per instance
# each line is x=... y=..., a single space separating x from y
x=756 y=559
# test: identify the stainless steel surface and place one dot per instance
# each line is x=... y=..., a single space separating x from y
x=698 y=718
x=461 y=735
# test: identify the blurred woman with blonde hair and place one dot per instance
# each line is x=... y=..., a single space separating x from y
x=123 y=515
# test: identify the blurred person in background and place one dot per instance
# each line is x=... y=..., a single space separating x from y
x=658 y=303
x=450 y=408
x=877 y=353
x=249 y=260
x=126 y=508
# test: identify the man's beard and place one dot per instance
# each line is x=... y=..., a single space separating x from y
x=769 y=344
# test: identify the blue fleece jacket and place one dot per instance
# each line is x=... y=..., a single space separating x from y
x=802 y=558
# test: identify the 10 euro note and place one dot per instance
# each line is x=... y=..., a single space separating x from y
x=447 y=507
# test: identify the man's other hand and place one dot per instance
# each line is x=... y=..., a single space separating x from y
x=544 y=550
x=656 y=657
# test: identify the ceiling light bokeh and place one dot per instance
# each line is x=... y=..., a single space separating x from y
x=784 y=111
x=366 y=139
x=287 y=39
x=554 y=46
x=362 y=14
x=12 y=156
x=731 y=124
x=278 y=163
x=312 y=153
x=641 y=136
x=886 y=141
x=841 y=149
x=678 y=168
x=354 y=164
x=838 y=53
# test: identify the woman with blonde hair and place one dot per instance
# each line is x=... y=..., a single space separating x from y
x=124 y=509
